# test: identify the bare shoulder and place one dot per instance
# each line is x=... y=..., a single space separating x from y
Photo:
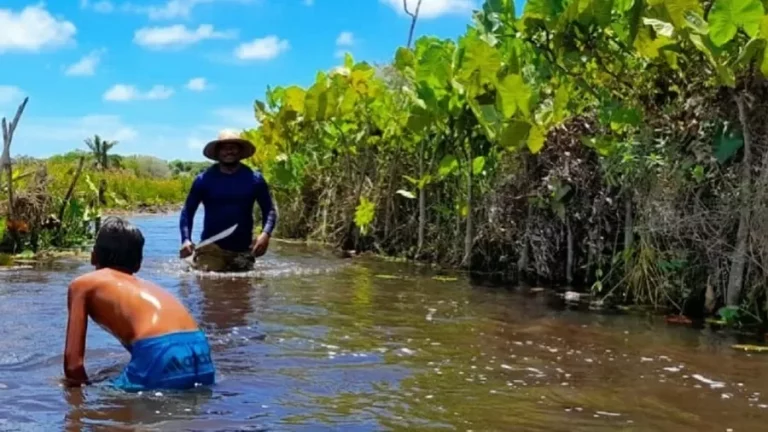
x=148 y=284
x=88 y=281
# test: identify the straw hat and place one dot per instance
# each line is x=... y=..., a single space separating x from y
x=247 y=149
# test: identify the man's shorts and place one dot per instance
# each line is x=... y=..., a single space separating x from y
x=175 y=361
x=213 y=258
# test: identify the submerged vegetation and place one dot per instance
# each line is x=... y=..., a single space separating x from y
x=57 y=203
x=616 y=146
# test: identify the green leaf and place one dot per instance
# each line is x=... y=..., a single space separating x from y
x=698 y=173
x=489 y=119
x=647 y=46
x=447 y=166
x=536 y=139
x=514 y=95
x=601 y=11
x=435 y=65
x=348 y=102
x=764 y=62
x=727 y=16
x=477 y=165
x=696 y=22
x=764 y=27
x=406 y=193
x=546 y=10
x=725 y=74
x=764 y=35
x=514 y=134
x=404 y=59
x=726 y=145
x=634 y=18
x=623 y=5
x=750 y=51
x=315 y=101
x=730 y=314
x=677 y=10
x=560 y=105
x=660 y=27
x=561 y=192
x=602 y=145
x=364 y=214
x=479 y=64
x=500 y=7
x=293 y=99
x=349 y=62
x=419 y=120
x=559 y=209
x=411 y=179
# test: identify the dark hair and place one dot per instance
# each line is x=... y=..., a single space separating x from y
x=119 y=245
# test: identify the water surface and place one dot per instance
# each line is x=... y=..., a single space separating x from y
x=312 y=342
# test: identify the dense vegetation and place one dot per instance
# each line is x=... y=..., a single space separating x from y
x=58 y=201
x=612 y=145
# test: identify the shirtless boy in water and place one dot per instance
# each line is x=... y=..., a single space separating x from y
x=168 y=350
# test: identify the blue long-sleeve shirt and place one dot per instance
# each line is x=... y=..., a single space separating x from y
x=228 y=199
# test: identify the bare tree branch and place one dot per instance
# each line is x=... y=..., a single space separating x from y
x=414 y=17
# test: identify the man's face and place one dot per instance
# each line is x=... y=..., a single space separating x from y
x=229 y=153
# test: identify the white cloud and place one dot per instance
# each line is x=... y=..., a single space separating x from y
x=345 y=39
x=309 y=2
x=197 y=84
x=63 y=134
x=102 y=6
x=127 y=93
x=33 y=29
x=174 y=9
x=265 y=48
x=177 y=36
x=433 y=8
x=10 y=95
x=86 y=66
x=168 y=141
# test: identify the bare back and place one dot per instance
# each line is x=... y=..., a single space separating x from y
x=131 y=308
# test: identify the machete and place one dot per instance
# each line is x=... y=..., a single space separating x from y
x=214 y=239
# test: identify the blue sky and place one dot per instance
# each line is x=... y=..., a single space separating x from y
x=163 y=76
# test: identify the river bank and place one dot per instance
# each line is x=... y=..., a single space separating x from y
x=143 y=210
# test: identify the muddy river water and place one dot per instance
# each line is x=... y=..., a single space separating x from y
x=312 y=342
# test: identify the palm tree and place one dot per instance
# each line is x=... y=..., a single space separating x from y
x=100 y=149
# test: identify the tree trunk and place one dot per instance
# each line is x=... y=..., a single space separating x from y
x=523 y=262
x=5 y=162
x=468 y=235
x=422 y=202
x=70 y=191
x=739 y=258
x=569 y=244
x=422 y=218
x=629 y=230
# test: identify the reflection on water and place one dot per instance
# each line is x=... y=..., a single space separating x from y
x=310 y=342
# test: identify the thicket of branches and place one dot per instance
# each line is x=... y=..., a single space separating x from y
x=615 y=145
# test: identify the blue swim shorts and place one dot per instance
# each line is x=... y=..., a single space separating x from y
x=175 y=361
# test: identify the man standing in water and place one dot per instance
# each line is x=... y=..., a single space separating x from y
x=168 y=350
x=228 y=191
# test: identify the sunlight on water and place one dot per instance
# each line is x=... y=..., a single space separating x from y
x=307 y=341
